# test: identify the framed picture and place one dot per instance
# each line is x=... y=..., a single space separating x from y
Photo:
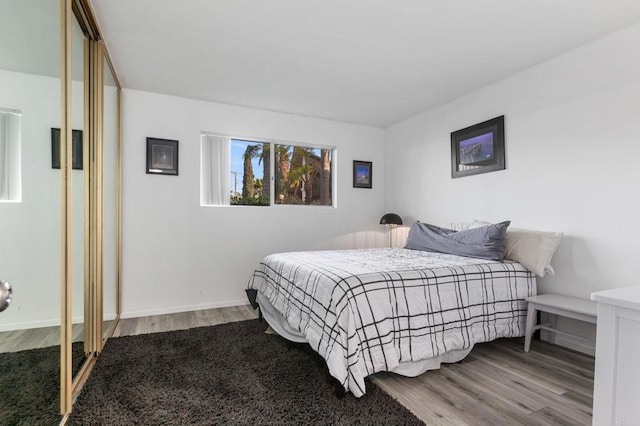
x=76 y=154
x=478 y=148
x=362 y=174
x=162 y=156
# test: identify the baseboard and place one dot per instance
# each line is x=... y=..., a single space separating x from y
x=568 y=342
x=183 y=308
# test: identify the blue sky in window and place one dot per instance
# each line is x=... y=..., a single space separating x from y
x=238 y=147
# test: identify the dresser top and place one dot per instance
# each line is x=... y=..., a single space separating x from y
x=626 y=297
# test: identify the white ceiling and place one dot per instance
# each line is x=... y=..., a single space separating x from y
x=371 y=62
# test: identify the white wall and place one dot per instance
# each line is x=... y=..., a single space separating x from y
x=572 y=153
x=179 y=256
x=30 y=230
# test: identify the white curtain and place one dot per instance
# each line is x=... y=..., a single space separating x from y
x=9 y=155
x=215 y=170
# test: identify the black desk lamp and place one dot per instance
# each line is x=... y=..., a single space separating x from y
x=390 y=220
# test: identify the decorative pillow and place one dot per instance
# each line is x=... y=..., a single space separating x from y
x=487 y=242
x=532 y=249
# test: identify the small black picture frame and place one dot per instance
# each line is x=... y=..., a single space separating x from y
x=162 y=156
x=478 y=148
x=362 y=174
x=76 y=144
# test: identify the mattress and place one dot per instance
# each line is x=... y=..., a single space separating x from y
x=372 y=310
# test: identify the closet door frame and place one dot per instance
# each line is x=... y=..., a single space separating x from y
x=95 y=53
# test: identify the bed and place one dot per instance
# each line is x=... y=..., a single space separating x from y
x=399 y=310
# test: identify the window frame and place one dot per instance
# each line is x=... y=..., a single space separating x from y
x=272 y=142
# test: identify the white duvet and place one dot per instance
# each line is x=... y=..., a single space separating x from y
x=366 y=311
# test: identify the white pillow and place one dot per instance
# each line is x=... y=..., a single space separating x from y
x=532 y=249
x=460 y=226
x=479 y=224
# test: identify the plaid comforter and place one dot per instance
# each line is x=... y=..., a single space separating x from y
x=366 y=311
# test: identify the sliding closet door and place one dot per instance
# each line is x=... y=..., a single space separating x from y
x=51 y=205
x=79 y=138
x=30 y=210
x=111 y=198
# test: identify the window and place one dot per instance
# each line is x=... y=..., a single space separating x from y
x=10 y=173
x=257 y=173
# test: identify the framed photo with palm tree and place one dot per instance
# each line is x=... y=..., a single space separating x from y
x=362 y=174
x=162 y=156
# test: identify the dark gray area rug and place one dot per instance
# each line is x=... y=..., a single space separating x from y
x=30 y=385
x=226 y=374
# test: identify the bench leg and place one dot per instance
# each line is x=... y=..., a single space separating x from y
x=531 y=319
x=554 y=325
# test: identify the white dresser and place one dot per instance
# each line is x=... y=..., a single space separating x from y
x=616 y=396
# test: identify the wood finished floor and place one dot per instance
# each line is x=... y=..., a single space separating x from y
x=33 y=338
x=183 y=320
x=497 y=384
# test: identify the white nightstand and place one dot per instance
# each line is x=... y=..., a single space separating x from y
x=616 y=395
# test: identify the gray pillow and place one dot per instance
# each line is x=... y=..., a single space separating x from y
x=486 y=242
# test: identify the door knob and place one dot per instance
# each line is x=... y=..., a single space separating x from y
x=5 y=295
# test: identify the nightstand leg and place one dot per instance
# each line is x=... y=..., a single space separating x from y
x=531 y=318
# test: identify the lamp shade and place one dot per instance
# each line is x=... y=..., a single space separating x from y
x=390 y=219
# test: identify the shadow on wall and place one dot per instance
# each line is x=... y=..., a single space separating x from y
x=363 y=240
x=584 y=280
x=355 y=240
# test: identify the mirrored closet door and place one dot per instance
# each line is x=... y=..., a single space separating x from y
x=79 y=213
x=30 y=210
x=111 y=189
x=54 y=173
x=101 y=194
